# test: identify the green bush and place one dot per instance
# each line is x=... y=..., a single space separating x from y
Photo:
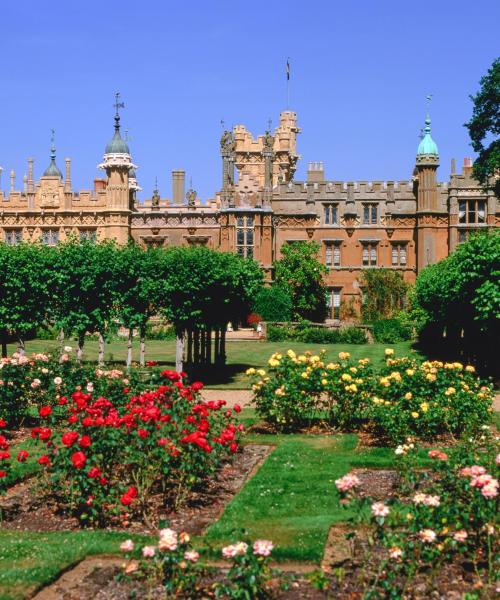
x=389 y=331
x=280 y=333
x=273 y=304
x=353 y=335
x=160 y=332
x=307 y=333
x=47 y=333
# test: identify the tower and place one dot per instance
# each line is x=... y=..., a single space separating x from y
x=117 y=163
x=428 y=208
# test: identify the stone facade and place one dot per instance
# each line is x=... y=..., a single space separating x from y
x=401 y=225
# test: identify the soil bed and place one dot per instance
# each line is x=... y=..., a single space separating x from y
x=26 y=508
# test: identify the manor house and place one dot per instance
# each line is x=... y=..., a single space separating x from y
x=401 y=225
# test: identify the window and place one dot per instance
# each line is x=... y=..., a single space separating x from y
x=369 y=254
x=399 y=254
x=88 y=234
x=332 y=254
x=13 y=237
x=244 y=236
x=333 y=302
x=330 y=214
x=370 y=214
x=472 y=211
x=50 y=237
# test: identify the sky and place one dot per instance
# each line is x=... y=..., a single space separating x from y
x=360 y=74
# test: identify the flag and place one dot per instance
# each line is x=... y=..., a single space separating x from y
x=288 y=69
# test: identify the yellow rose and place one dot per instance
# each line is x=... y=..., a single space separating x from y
x=324 y=381
x=346 y=377
x=291 y=354
x=415 y=415
x=250 y=371
x=450 y=391
x=408 y=396
x=272 y=362
x=305 y=375
x=430 y=377
x=344 y=355
x=424 y=406
x=353 y=369
x=470 y=369
x=410 y=372
x=315 y=358
x=261 y=372
x=389 y=351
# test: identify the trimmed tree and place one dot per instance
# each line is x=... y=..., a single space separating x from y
x=384 y=293
x=300 y=273
x=273 y=304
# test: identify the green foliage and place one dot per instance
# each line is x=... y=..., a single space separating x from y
x=301 y=273
x=273 y=304
x=159 y=332
x=389 y=331
x=407 y=398
x=462 y=293
x=384 y=293
x=26 y=280
x=484 y=125
x=304 y=332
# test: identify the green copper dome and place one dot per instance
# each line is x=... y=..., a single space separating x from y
x=427 y=144
x=52 y=170
x=117 y=145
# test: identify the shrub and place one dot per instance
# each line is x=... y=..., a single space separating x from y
x=353 y=335
x=384 y=293
x=273 y=304
x=111 y=454
x=304 y=332
x=280 y=333
x=390 y=331
x=445 y=513
x=299 y=389
x=426 y=399
x=160 y=332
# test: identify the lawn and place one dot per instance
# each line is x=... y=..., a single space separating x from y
x=240 y=355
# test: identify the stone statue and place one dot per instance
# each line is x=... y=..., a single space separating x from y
x=227 y=141
x=191 y=197
x=155 y=199
x=268 y=141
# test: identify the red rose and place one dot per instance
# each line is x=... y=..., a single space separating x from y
x=126 y=390
x=233 y=447
x=94 y=472
x=78 y=459
x=196 y=386
x=73 y=419
x=151 y=363
x=142 y=433
x=45 y=411
x=103 y=481
x=44 y=460
x=237 y=408
x=22 y=456
x=4 y=444
x=3 y=474
x=4 y=455
x=162 y=442
x=3 y=423
x=69 y=438
x=85 y=441
x=126 y=500
x=45 y=433
x=63 y=400
x=132 y=491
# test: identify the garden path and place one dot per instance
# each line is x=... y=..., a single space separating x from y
x=232 y=397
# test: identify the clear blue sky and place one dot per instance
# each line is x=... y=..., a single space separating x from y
x=360 y=71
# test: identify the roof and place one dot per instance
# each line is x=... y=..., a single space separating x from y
x=427 y=144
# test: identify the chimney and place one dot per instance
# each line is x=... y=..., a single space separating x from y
x=467 y=167
x=453 y=166
x=178 y=185
x=31 y=186
x=315 y=172
x=99 y=184
x=67 y=183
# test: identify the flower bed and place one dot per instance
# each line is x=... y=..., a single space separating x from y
x=447 y=514
x=407 y=397
x=106 y=456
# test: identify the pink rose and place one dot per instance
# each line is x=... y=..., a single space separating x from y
x=127 y=546
x=460 y=536
x=262 y=547
x=191 y=556
x=148 y=551
x=379 y=509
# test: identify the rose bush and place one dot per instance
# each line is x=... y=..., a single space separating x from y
x=29 y=383
x=446 y=513
x=407 y=397
x=425 y=399
x=300 y=388
x=112 y=454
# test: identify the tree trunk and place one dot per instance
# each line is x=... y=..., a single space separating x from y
x=179 y=351
x=189 y=346
x=61 y=340
x=209 y=346
x=196 y=346
x=20 y=347
x=4 y=348
x=216 y=346
x=223 y=347
x=142 y=345
x=100 y=358
x=129 y=348
x=81 y=342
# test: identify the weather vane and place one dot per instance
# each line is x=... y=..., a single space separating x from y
x=117 y=103
x=269 y=123
x=52 y=135
x=222 y=124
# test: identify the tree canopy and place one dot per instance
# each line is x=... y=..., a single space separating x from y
x=484 y=127
x=300 y=273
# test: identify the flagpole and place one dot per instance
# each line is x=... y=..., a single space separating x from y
x=288 y=83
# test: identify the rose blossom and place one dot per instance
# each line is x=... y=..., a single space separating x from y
x=262 y=547
x=132 y=566
x=234 y=550
x=57 y=380
x=35 y=383
x=90 y=387
x=148 y=551
x=168 y=540
x=127 y=546
x=481 y=480
x=379 y=509
x=191 y=555
x=490 y=490
x=67 y=348
x=347 y=482
x=497 y=459
x=427 y=535
x=395 y=552
x=460 y=536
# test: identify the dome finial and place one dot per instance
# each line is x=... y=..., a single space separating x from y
x=52 y=170
x=118 y=105
x=427 y=144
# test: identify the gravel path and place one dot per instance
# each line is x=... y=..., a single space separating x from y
x=232 y=397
